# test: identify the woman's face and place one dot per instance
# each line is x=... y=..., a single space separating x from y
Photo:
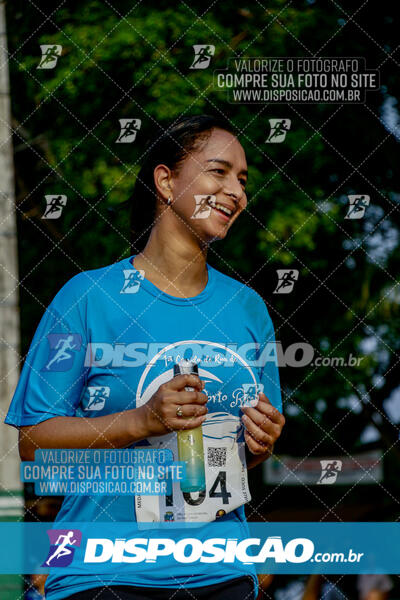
x=209 y=189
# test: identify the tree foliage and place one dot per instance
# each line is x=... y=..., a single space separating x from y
x=130 y=59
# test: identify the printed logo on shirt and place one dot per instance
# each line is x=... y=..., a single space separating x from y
x=227 y=390
x=97 y=397
x=62 y=547
x=225 y=396
x=133 y=277
x=62 y=351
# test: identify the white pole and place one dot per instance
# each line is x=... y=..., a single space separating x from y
x=10 y=484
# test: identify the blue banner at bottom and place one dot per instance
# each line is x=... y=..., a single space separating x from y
x=290 y=548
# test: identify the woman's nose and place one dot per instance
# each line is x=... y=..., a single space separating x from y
x=234 y=189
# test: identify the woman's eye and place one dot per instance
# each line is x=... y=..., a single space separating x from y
x=243 y=182
x=220 y=171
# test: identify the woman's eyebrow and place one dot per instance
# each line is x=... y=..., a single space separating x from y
x=227 y=163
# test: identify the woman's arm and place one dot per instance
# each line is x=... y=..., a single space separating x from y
x=118 y=430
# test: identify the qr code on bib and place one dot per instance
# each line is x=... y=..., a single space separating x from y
x=216 y=457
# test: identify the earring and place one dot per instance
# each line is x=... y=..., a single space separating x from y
x=169 y=201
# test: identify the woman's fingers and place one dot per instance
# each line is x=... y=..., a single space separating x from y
x=190 y=398
x=255 y=447
x=191 y=415
x=264 y=406
x=190 y=410
x=179 y=382
x=263 y=421
x=189 y=423
x=256 y=432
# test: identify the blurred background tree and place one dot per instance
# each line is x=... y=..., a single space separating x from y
x=124 y=59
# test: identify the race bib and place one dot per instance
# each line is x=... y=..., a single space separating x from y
x=226 y=477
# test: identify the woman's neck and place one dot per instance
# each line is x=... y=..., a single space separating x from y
x=176 y=266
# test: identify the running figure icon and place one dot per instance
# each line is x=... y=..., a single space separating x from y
x=62 y=549
x=50 y=54
x=132 y=281
x=358 y=205
x=287 y=279
x=129 y=128
x=55 y=205
x=279 y=129
x=329 y=471
x=63 y=345
x=203 y=54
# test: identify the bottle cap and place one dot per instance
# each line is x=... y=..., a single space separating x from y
x=186 y=367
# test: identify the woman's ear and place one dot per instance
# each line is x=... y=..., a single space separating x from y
x=163 y=182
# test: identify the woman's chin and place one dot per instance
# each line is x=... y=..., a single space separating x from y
x=219 y=234
x=213 y=231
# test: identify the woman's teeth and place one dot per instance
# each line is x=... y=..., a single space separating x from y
x=211 y=202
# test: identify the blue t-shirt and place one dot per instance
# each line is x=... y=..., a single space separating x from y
x=105 y=344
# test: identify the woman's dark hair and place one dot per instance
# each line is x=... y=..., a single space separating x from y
x=170 y=148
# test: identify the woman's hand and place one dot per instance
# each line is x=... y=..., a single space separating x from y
x=159 y=413
x=263 y=426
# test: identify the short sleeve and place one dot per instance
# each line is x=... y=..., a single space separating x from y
x=268 y=357
x=54 y=374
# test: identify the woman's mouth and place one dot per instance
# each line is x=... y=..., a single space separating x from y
x=223 y=211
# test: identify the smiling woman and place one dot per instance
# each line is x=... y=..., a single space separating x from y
x=196 y=155
x=169 y=301
x=189 y=192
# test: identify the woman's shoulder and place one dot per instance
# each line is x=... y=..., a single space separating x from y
x=87 y=283
x=242 y=289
